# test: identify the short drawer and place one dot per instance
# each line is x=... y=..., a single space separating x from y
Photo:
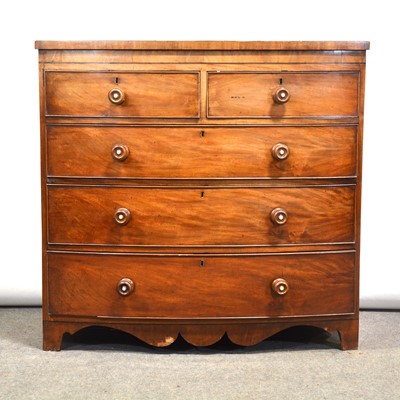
x=192 y=287
x=231 y=216
x=260 y=95
x=201 y=152
x=139 y=95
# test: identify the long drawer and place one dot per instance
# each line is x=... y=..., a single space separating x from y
x=201 y=152
x=119 y=94
x=230 y=216
x=310 y=94
x=190 y=287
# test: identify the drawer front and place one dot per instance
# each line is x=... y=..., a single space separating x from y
x=178 y=287
x=146 y=95
x=251 y=95
x=145 y=216
x=208 y=152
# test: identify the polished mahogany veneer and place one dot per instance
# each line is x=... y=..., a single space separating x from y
x=85 y=286
x=162 y=95
x=304 y=94
x=211 y=216
x=201 y=189
x=201 y=152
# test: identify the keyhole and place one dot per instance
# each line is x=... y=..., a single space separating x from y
x=280 y=81
x=202 y=133
x=201 y=194
x=117 y=80
x=202 y=263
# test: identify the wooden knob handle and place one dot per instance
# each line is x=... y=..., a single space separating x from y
x=279 y=216
x=125 y=287
x=122 y=216
x=280 y=286
x=120 y=152
x=116 y=96
x=280 y=152
x=281 y=95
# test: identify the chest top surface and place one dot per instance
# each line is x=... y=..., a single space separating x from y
x=201 y=45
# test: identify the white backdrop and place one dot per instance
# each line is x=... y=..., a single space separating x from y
x=23 y=22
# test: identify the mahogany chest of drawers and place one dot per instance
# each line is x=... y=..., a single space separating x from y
x=201 y=188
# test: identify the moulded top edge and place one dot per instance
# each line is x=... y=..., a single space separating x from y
x=201 y=45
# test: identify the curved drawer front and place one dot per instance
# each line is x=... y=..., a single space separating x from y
x=309 y=94
x=178 y=287
x=201 y=152
x=141 y=94
x=140 y=216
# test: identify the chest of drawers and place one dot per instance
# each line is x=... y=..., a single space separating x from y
x=201 y=188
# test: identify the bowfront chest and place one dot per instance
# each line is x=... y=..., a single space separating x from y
x=201 y=188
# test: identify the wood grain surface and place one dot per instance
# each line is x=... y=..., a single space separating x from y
x=200 y=216
x=200 y=45
x=201 y=152
x=147 y=94
x=248 y=95
x=179 y=287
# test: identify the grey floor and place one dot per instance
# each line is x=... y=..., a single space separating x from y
x=117 y=366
